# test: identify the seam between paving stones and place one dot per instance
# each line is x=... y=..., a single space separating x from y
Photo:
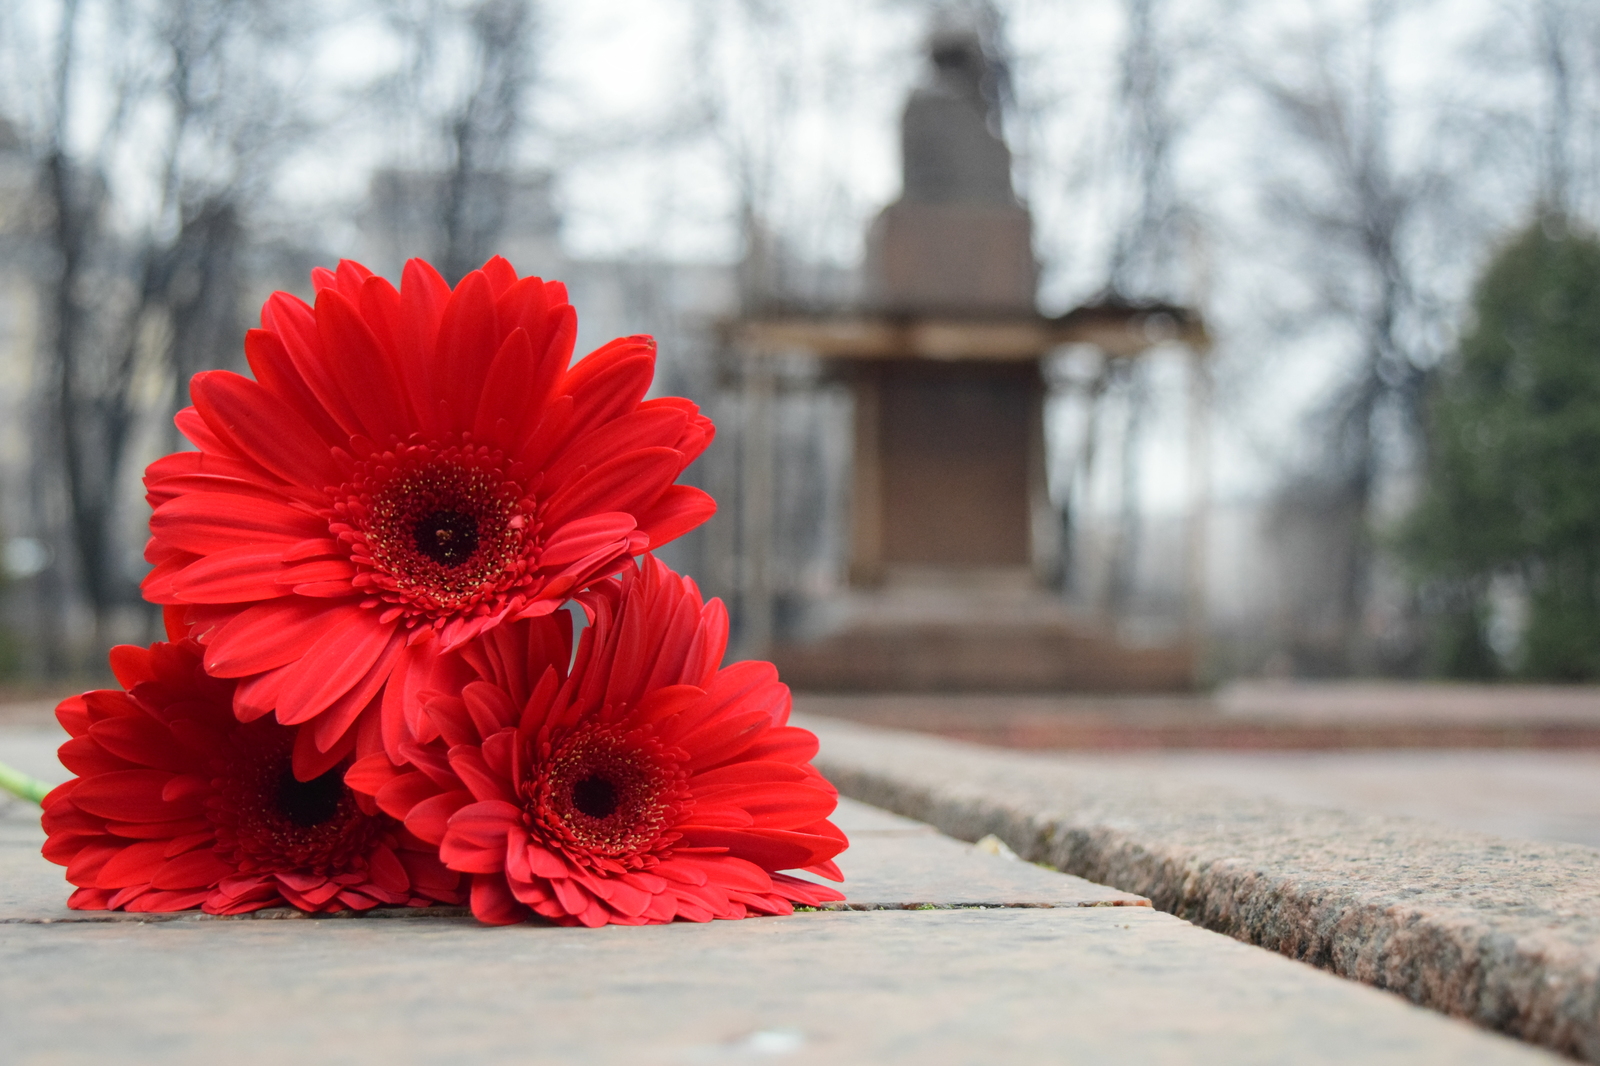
x=1537 y=982
x=437 y=913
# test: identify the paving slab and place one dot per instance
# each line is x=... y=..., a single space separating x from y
x=895 y=863
x=1091 y=985
x=1503 y=932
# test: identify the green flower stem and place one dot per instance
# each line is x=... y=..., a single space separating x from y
x=20 y=784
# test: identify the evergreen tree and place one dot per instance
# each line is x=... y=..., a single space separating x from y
x=1513 y=482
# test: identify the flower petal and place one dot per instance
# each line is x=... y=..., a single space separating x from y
x=468 y=341
x=398 y=796
x=129 y=795
x=609 y=381
x=276 y=633
x=508 y=392
x=429 y=820
x=195 y=869
x=586 y=537
x=493 y=903
x=263 y=427
x=203 y=522
x=362 y=370
x=622 y=484
x=295 y=323
x=339 y=662
x=423 y=295
x=140 y=740
x=675 y=512
x=474 y=841
x=233 y=575
x=275 y=371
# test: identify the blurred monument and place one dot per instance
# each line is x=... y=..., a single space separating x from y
x=949 y=449
x=954 y=546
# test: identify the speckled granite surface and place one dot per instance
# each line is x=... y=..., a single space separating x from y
x=1506 y=933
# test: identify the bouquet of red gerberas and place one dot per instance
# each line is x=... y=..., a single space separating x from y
x=369 y=695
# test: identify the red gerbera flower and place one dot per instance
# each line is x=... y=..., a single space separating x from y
x=646 y=786
x=407 y=465
x=177 y=804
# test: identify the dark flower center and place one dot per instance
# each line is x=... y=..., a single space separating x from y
x=435 y=529
x=448 y=537
x=595 y=796
x=267 y=820
x=309 y=803
x=605 y=794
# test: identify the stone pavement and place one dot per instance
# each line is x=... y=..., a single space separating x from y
x=963 y=957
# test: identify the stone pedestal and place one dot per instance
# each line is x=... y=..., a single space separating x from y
x=948 y=466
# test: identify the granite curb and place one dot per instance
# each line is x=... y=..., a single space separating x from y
x=1502 y=932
